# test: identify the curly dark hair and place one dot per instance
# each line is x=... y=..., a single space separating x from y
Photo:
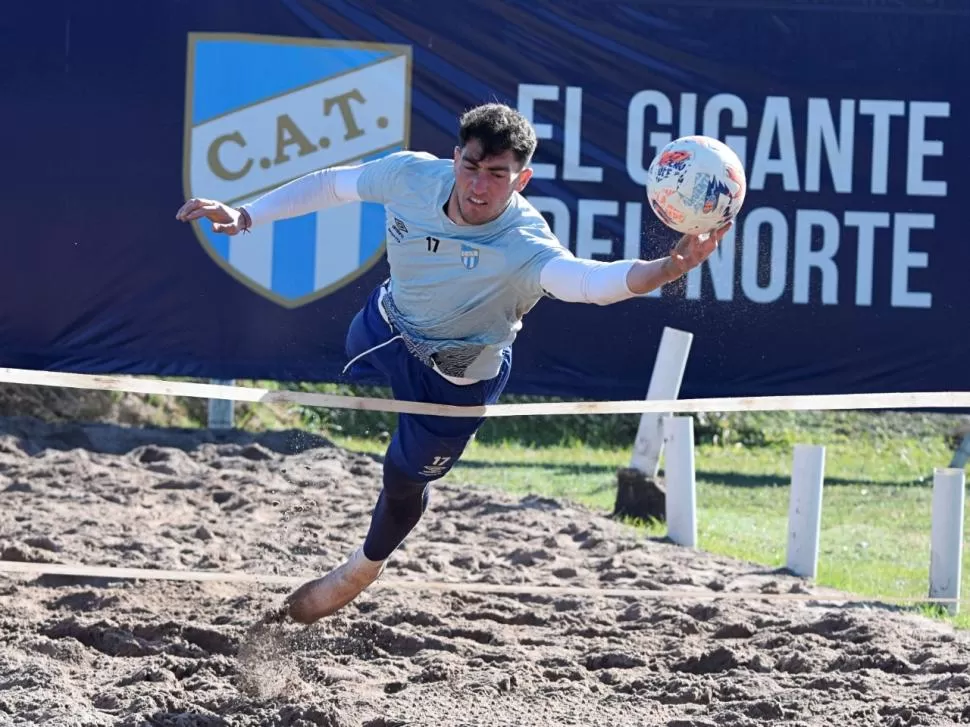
x=499 y=128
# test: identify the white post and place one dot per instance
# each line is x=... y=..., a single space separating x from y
x=678 y=436
x=668 y=372
x=805 y=509
x=221 y=410
x=946 y=535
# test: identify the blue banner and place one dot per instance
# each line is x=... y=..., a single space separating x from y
x=846 y=272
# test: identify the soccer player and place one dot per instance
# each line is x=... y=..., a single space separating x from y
x=469 y=256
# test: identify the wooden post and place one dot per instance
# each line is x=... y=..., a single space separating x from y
x=946 y=535
x=638 y=493
x=805 y=509
x=221 y=411
x=668 y=373
x=681 y=483
x=962 y=453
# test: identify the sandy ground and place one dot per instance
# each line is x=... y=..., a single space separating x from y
x=98 y=652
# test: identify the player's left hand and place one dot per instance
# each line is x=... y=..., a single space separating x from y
x=691 y=250
x=224 y=219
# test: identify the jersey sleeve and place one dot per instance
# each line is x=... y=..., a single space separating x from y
x=537 y=250
x=314 y=191
x=577 y=280
x=381 y=180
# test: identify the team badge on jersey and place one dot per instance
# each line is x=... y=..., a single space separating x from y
x=469 y=256
x=264 y=110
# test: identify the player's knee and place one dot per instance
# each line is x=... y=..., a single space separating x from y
x=405 y=496
x=399 y=484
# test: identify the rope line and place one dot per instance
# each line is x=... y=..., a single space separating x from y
x=812 y=402
x=116 y=573
x=145 y=385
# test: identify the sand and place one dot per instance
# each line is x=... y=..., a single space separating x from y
x=76 y=651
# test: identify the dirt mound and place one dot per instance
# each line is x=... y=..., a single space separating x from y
x=63 y=404
x=51 y=403
x=107 y=652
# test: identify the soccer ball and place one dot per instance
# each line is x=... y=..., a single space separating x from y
x=695 y=184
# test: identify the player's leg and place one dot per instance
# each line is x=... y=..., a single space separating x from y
x=368 y=347
x=420 y=452
x=423 y=449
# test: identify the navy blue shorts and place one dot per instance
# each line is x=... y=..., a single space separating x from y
x=424 y=447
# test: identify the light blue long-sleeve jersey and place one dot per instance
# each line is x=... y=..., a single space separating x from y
x=457 y=292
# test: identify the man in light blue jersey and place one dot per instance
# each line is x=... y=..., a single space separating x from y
x=469 y=256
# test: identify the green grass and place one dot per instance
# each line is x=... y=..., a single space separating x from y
x=875 y=531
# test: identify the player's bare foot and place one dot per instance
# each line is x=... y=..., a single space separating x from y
x=324 y=596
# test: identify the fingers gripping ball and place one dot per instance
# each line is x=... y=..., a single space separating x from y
x=696 y=184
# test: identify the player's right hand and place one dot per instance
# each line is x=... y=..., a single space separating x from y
x=224 y=218
x=691 y=250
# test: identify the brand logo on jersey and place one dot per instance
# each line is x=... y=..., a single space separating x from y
x=398 y=230
x=469 y=256
x=264 y=110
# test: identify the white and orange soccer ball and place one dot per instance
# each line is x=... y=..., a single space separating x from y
x=695 y=184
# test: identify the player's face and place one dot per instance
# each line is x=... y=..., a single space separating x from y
x=483 y=186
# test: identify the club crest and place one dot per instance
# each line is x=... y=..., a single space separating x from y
x=469 y=256
x=264 y=110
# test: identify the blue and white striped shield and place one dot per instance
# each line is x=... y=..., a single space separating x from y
x=469 y=256
x=264 y=110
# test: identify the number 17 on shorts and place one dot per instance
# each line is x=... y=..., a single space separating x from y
x=438 y=466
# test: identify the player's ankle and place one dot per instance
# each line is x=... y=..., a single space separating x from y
x=366 y=568
x=367 y=555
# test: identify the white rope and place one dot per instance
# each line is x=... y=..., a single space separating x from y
x=813 y=402
x=144 y=385
x=114 y=573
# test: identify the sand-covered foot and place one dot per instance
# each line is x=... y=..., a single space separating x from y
x=324 y=596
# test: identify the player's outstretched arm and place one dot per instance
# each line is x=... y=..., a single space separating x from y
x=577 y=280
x=689 y=252
x=316 y=190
